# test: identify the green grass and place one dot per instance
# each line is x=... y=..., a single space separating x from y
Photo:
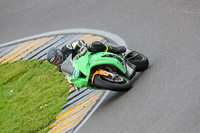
x=32 y=93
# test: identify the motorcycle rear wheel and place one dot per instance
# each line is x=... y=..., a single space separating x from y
x=139 y=60
x=124 y=85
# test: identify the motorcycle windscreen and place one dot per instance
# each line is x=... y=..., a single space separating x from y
x=66 y=66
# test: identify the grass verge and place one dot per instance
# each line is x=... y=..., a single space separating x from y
x=31 y=95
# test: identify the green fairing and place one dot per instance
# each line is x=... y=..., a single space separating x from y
x=85 y=63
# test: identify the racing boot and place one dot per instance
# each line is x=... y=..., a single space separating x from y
x=116 y=50
x=100 y=47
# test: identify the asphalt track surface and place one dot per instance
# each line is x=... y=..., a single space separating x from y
x=166 y=97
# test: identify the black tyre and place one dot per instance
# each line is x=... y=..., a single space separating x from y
x=139 y=60
x=123 y=84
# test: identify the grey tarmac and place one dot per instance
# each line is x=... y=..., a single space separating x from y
x=166 y=97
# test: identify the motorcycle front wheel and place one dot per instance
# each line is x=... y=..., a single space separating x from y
x=121 y=84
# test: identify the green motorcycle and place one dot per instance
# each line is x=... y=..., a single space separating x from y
x=104 y=70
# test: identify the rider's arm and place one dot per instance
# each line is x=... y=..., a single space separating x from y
x=73 y=47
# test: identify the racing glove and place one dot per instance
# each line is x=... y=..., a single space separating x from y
x=76 y=45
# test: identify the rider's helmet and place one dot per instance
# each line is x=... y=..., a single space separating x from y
x=55 y=56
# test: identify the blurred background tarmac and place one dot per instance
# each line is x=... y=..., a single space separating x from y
x=166 y=97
